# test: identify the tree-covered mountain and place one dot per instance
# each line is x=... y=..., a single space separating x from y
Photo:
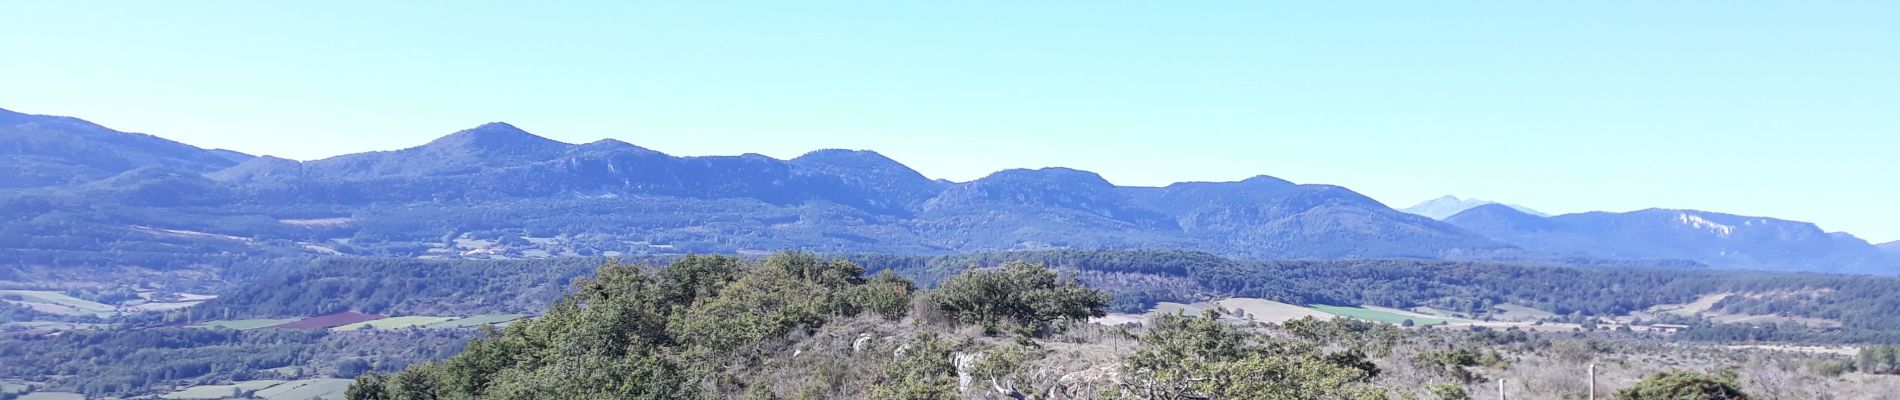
x=42 y=150
x=1713 y=238
x=1447 y=206
x=1307 y=219
x=79 y=194
x=496 y=181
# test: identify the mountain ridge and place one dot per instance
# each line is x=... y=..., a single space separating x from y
x=497 y=180
x=847 y=200
x=45 y=150
x=1708 y=237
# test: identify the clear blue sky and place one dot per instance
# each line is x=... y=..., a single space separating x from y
x=1787 y=109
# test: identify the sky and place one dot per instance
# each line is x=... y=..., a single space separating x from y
x=1781 y=109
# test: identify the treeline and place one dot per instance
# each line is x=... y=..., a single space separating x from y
x=1454 y=285
x=1783 y=333
x=402 y=286
x=127 y=363
x=1858 y=302
x=109 y=363
x=1138 y=279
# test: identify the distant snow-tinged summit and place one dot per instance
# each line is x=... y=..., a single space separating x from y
x=1445 y=207
x=1718 y=239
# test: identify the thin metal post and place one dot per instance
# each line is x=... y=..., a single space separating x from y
x=1593 y=381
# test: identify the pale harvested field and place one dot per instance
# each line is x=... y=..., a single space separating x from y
x=1176 y=308
x=1690 y=309
x=1118 y=319
x=160 y=306
x=1259 y=309
x=63 y=304
x=1271 y=311
x=1513 y=312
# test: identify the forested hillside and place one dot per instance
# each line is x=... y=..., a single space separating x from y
x=1138 y=280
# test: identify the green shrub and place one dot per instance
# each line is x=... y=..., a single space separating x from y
x=923 y=371
x=1879 y=359
x=1684 y=385
x=1201 y=358
x=1830 y=368
x=1022 y=296
x=1450 y=391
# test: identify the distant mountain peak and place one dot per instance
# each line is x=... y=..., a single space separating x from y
x=847 y=158
x=610 y=143
x=1266 y=180
x=614 y=146
x=1497 y=208
x=860 y=161
x=46 y=150
x=262 y=167
x=1893 y=246
x=1493 y=217
x=495 y=136
x=842 y=153
x=1050 y=173
x=1446 y=206
x=10 y=116
x=498 y=126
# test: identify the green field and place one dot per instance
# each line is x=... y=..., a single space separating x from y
x=12 y=386
x=75 y=304
x=243 y=324
x=221 y=391
x=475 y=320
x=52 y=396
x=279 y=390
x=394 y=323
x=1375 y=315
x=268 y=389
x=307 y=389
